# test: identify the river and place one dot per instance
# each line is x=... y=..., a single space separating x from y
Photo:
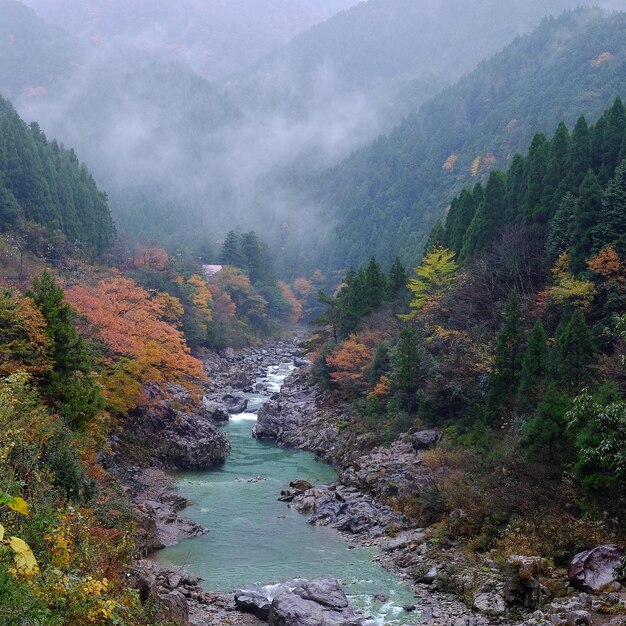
x=253 y=538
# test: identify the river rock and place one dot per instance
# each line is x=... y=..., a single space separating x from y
x=347 y=509
x=325 y=591
x=522 y=586
x=299 y=603
x=489 y=603
x=299 y=362
x=301 y=485
x=424 y=439
x=592 y=570
x=176 y=608
x=235 y=404
x=254 y=601
x=214 y=410
x=185 y=442
x=402 y=540
x=290 y=609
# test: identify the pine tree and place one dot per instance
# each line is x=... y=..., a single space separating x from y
x=575 y=352
x=436 y=237
x=516 y=188
x=560 y=227
x=459 y=218
x=558 y=169
x=230 y=253
x=611 y=226
x=535 y=366
x=579 y=156
x=375 y=287
x=545 y=434
x=489 y=218
x=70 y=383
x=398 y=279
x=504 y=379
x=405 y=369
x=537 y=168
x=381 y=363
x=586 y=216
x=613 y=136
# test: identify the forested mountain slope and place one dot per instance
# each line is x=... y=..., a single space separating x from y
x=510 y=338
x=44 y=53
x=213 y=37
x=42 y=183
x=380 y=46
x=387 y=197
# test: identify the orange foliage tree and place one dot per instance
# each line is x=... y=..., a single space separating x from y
x=295 y=304
x=143 y=344
x=609 y=266
x=349 y=363
x=24 y=343
x=152 y=256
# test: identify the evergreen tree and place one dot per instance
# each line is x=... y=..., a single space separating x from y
x=597 y=147
x=381 y=363
x=504 y=379
x=516 y=187
x=575 y=352
x=586 y=216
x=535 y=366
x=544 y=434
x=398 y=279
x=459 y=218
x=375 y=287
x=613 y=136
x=489 y=218
x=537 y=168
x=579 y=156
x=558 y=169
x=611 y=225
x=405 y=369
x=70 y=384
x=230 y=253
x=252 y=256
x=560 y=227
x=436 y=237
x=352 y=305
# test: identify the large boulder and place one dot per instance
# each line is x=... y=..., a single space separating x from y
x=522 y=586
x=254 y=601
x=290 y=609
x=592 y=570
x=214 y=410
x=176 y=608
x=270 y=421
x=234 y=404
x=179 y=439
x=299 y=603
x=425 y=439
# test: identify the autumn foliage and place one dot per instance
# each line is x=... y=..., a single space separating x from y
x=349 y=363
x=143 y=344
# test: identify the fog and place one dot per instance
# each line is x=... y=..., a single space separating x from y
x=201 y=116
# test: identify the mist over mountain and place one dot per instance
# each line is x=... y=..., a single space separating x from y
x=185 y=159
x=387 y=197
x=214 y=37
x=34 y=56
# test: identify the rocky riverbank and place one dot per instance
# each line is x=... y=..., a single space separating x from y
x=455 y=589
x=179 y=434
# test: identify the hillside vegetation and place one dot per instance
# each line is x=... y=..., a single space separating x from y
x=387 y=197
x=510 y=337
x=42 y=183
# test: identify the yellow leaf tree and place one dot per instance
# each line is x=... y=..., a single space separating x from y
x=434 y=276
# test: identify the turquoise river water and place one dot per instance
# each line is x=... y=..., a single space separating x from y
x=253 y=538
